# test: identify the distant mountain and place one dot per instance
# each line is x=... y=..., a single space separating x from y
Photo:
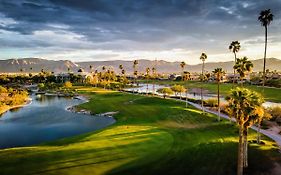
x=35 y=65
x=25 y=64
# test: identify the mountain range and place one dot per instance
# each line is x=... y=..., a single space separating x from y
x=37 y=64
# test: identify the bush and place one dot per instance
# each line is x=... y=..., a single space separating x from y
x=212 y=102
x=3 y=90
x=275 y=112
x=273 y=83
x=165 y=91
x=67 y=84
x=178 y=89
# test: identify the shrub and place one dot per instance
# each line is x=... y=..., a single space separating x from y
x=275 y=112
x=67 y=84
x=178 y=89
x=212 y=102
x=165 y=91
x=273 y=83
x=3 y=90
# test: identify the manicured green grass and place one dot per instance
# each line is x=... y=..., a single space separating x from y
x=151 y=136
x=270 y=94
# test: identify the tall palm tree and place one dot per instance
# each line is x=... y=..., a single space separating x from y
x=91 y=68
x=122 y=74
x=265 y=18
x=234 y=47
x=103 y=68
x=243 y=66
x=135 y=64
x=219 y=73
x=154 y=77
x=203 y=58
x=182 y=65
x=244 y=105
x=121 y=67
x=147 y=70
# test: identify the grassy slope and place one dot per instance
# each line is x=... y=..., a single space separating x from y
x=151 y=136
x=271 y=94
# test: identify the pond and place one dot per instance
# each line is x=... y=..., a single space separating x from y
x=46 y=119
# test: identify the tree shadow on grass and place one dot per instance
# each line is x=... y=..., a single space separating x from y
x=113 y=148
x=213 y=158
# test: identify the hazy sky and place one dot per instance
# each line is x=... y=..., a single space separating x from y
x=136 y=29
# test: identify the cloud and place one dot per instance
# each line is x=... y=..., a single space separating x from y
x=128 y=28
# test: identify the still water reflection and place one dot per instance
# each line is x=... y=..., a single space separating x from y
x=46 y=119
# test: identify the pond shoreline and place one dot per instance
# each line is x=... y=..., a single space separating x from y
x=87 y=112
x=27 y=102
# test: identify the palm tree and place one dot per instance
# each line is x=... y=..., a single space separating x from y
x=234 y=47
x=154 y=77
x=186 y=77
x=244 y=105
x=103 y=68
x=219 y=73
x=182 y=65
x=135 y=64
x=91 y=68
x=243 y=66
x=147 y=70
x=203 y=58
x=265 y=18
x=121 y=67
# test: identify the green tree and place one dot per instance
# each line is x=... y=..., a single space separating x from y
x=41 y=86
x=178 y=89
x=203 y=58
x=265 y=17
x=244 y=105
x=234 y=47
x=243 y=66
x=219 y=73
x=165 y=91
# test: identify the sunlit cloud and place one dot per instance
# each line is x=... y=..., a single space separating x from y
x=107 y=30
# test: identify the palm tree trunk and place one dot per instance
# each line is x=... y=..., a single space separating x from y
x=245 y=138
x=264 y=58
x=182 y=74
x=147 y=86
x=180 y=95
x=259 y=133
x=219 y=108
x=233 y=81
x=240 y=152
x=153 y=88
x=202 y=102
x=186 y=98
